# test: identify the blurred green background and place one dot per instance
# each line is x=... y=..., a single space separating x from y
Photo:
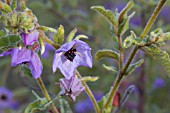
x=152 y=92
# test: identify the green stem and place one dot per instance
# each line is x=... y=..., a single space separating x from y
x=120 y=52
x=44 y=90
x=89 y=93
x=123 y=71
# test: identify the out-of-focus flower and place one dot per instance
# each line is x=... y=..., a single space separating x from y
x=24 y=55
x=71 y=87
x=5 y=98
x=71 y=55
x=48 y=48
x=158 y=83
x=164 y=14
x=136 y=21
x=30 y=38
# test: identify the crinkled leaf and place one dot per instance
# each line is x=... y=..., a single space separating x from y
x=37 y=105
x=130 y=40
x=81 y=36
x=89 y=79
x=106 y=53
x=102 y=102
x=124 y=26
x=64 y=106
x=9 y=41
x=164 y=36
x=2 y=33
x=125 y=10
x=71 y=35
x=160 y=56
x=110 y=68
x=132 y=67
x=26 y=70
x=48 y=29
x=107 y=14
x=14 y=4
x=59 y=36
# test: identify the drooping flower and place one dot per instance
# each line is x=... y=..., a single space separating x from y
x=158 y=83
x=71 y=55
x=5 y=98
x=71 y=87
x=30 y=38
x=24 y=55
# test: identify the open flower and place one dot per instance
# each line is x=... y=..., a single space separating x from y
x=71 y=55
x=71 y=87
x=30 y=38
x=5 y=98
x=23 y=55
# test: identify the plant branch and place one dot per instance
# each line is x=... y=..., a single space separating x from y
x=123 y=71
x=88 y=91
x=44 y=90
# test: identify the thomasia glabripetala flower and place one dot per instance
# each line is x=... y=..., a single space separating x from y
x=30 y=38
x=71 y=55
x=71 y=87
x=5 y=98
x=24 y=55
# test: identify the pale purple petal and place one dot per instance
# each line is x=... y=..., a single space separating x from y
x=20 y=56
x=35 y=66
x=6 y=53
x=29 y=39
x=65 y=47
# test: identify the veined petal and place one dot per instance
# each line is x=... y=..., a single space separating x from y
x=35 y=66
x=29 y=39
x=80 y=45
x=20 y=56
x=6 y=52
x=65 y=47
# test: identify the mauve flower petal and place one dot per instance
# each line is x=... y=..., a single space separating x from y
x=6 y=52
x=65 y=47
x=35 y=66
x=80 y=45
x=20 y=56
x=29 y=39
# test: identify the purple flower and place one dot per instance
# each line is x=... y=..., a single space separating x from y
x=158 y=83
x=71 y=87
x=5 y=98
x=23 y=55
x=84 y=106
x=71 y=55
x=29 y=39
x=48 y=48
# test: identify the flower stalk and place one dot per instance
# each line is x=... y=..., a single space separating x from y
x=44 y=90
x=134 y=51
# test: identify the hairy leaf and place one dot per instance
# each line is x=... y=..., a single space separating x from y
x=89 y=79
x=48 y=29
x=81 y=36
x=110 y=68
x=2 y=33
x=160 y=56
x=9 y=41
x=26 y=70
x=71 y=35
x=14 y=4
x=64 y=106
x=102 y=102
x=106 y=53
x=59 y=36
x=107 y=14
x=132 y=67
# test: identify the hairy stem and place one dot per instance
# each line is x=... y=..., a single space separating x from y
x=44 y=90
x=88 y=91
x=123 y=71
x=120 y=52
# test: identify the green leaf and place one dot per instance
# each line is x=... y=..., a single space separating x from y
x=115 y=42
x=7 y=8
x=106 y=53
x=125 y=10
x=102 y=102
x=107 y=14
x=89 y=79
x=59 y=36
x=48 y=29
x=26 y=70
x=160 y=56
x=2 y=33
x=14 y=4
x=110 y=68
x=124 y=26
x=130 y=40
x=9 y=41
x=71 y=35
x=37 y=105
x=64 y=106
x=81 y=36
x=132 y=67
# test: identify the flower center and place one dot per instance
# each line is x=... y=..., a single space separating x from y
x=70 y=54
x=3 y=97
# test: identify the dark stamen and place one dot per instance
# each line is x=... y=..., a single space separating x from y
x=3 y=97
x=70 y=54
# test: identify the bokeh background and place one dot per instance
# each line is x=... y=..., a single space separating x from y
x=152 y=92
